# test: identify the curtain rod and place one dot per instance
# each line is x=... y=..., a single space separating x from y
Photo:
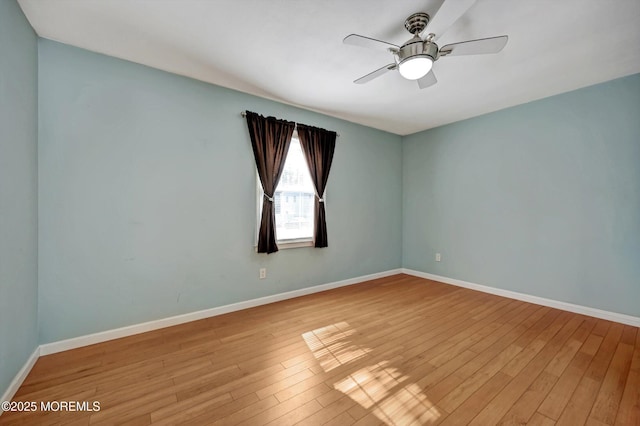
x=244 y=114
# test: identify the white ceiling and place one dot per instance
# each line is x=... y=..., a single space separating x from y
x=291 y=50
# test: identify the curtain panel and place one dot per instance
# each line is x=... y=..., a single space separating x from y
x=318 y=146
x=270 y=140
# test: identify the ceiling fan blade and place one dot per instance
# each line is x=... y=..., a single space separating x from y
x=475 y=47
x=447 y=15
x=428 y=80
x=375 y=74
x=371 y=43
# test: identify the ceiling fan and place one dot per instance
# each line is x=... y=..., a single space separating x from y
x=415 y=58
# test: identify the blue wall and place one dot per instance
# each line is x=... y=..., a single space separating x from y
x=18 y=191
x=148 y=197
x=542 y=198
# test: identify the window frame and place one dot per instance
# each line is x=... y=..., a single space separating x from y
x=288 y=243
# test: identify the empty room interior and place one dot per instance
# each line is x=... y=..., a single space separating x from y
x=280 y=212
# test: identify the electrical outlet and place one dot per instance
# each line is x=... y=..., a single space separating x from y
x=438 y=257
x=263 y=273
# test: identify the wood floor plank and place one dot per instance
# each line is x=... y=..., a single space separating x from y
x=471 y=406
x=328 y=413
x=598 y=367
x=560 y=362
x=524 y=377
x=397 y=350
x=558 y=398
x=580 y=404
x=247 y=412
x=526 y=406
x=298 y=414
x=540 y=420
x=283 y=408
x=451 y=392
x=583 y=398
x=343 y=419
x=370 y=420
x=193 y=407
x=203 y=411
x=460 y=389
x=629 y=408
x=605 y=407
x=523 y=410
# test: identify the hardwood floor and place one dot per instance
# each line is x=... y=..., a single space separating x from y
x=398 y=350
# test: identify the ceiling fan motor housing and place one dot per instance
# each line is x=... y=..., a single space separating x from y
x=417 y=47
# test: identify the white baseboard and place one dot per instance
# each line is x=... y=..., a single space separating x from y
x=103 y=336
x=19 y=378
x=579 y=309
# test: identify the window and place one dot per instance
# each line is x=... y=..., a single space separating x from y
x=277 y=200
x=294 y=200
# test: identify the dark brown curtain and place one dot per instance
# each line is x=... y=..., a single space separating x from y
x=318 y=146
x=270 y=139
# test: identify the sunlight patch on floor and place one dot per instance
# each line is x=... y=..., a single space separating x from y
x=331 y=346
x=382 y=389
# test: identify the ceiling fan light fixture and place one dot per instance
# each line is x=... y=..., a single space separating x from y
x=415 y=67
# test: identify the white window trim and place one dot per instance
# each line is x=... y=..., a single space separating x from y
x=282 y=244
